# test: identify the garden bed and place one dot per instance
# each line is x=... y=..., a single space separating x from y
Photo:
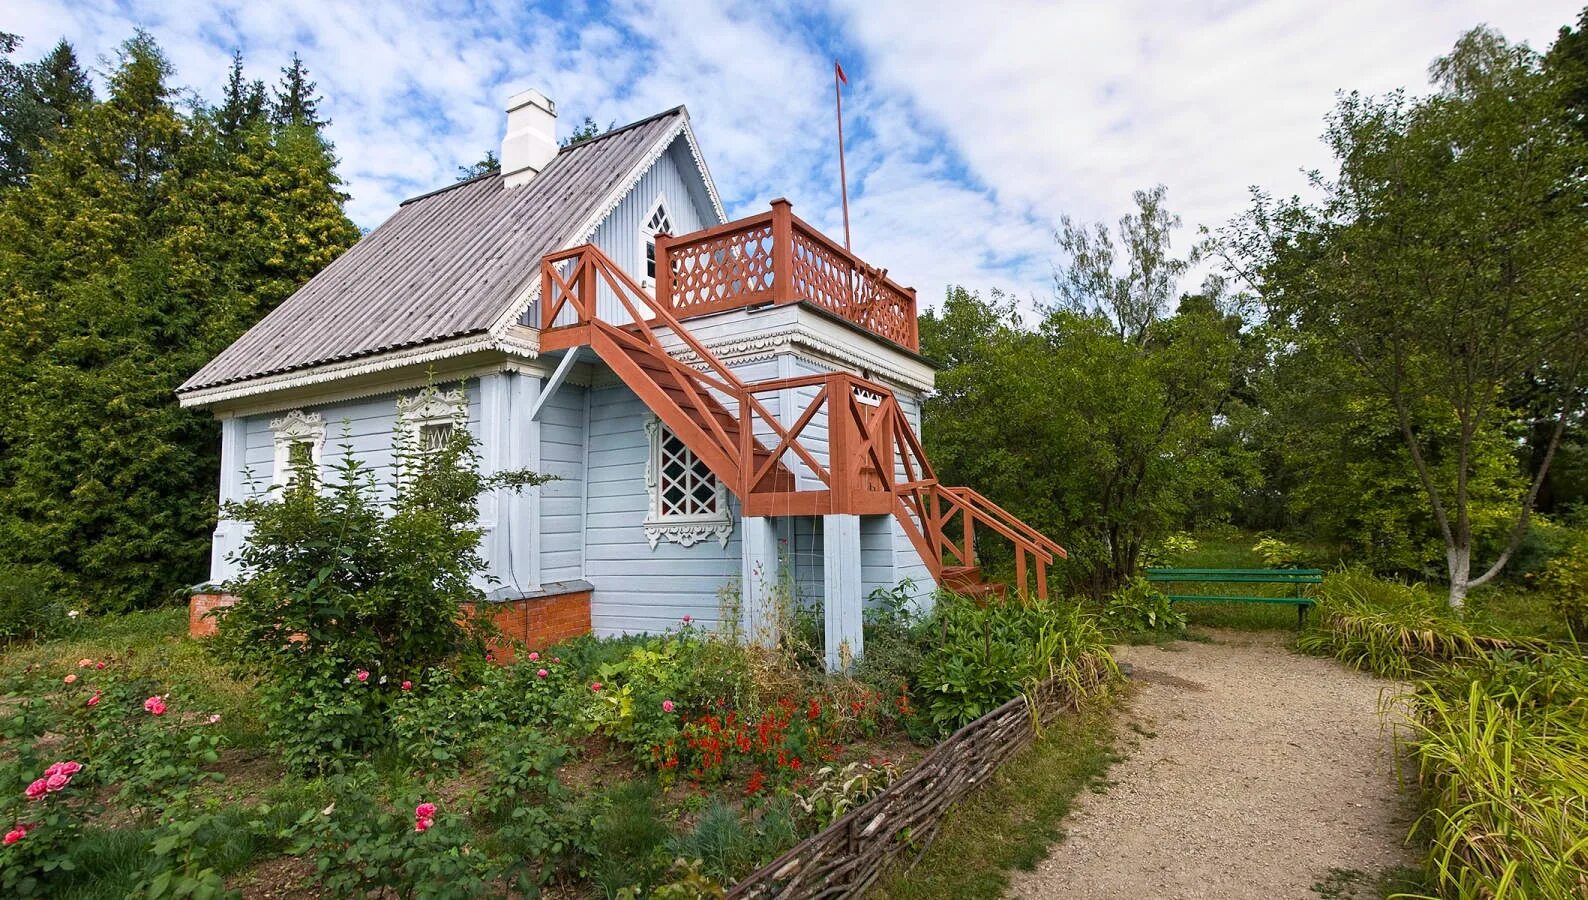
x=848 y=856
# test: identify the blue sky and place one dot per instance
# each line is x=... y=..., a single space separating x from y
x=971 y=127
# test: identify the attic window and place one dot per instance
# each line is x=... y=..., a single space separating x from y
x=657 y=223
x=688 y=503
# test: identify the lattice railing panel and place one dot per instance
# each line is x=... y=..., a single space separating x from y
x=722 y=272
x=833 y=280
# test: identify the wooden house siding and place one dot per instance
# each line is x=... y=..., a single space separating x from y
x=638 y=588
x=562 y=453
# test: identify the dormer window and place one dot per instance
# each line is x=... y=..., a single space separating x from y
x=656 y=223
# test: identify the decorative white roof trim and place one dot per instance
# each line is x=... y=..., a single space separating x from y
x=705 y=174
x=794 y=337
x=515 y=343
x=624 y=187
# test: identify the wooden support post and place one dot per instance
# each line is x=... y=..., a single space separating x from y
x=664 y=272
x=841 y=463
x=842 y=603
x=783 y=251
x=758 y=598
x=587 y=290
x=1020 y=571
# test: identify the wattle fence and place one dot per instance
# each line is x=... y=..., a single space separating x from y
x=846 y=858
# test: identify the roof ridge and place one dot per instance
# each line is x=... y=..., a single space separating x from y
x=622 y=128
x=560 y=151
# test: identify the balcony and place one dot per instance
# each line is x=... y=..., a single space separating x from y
x=778 y=258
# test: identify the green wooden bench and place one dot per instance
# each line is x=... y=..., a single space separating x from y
x=1300 y=578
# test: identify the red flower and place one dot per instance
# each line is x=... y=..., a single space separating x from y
x=757 y=782
x=15 y=834
x=155 y=706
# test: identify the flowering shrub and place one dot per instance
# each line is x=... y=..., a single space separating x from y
x=349 y=595
x=42 y=822
x=526 y=808
x=360 y=848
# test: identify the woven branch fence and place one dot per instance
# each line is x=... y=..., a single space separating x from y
x=846 y=858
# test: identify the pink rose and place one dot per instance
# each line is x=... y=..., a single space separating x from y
x=542 y=673
x=423 y=825
x=534 y=657
x=56 y=782
x=216 y=717
x=408 y=685
x=67 y=768
x=555 y=660
x=84 y=663
x=37 y=789
x=94 y=700
x=688 y=619
x=425 y=811
x=363 y=675
x=99 y=665
x=14 y=835
x=595 y=686
x=154 y=706
x=69 y=679
x=667 y=706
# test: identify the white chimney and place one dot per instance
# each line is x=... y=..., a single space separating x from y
x=531 y=141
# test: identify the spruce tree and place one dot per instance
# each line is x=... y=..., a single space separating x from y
x=296 y=103
x=37 y=100
x=141 y=245
x=242 y=104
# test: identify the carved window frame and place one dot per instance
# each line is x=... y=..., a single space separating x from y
x=428 y=408
x=649 y=229
x=684 y=529
x=294 y=428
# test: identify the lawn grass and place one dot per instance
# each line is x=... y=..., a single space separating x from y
x=1016 y=817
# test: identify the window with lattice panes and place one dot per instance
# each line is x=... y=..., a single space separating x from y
x=688 y=503
x=433 y=437
x=657 y=223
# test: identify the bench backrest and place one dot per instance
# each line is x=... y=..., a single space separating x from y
x=1247 y=576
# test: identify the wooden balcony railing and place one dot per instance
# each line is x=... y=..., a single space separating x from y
x=777 y=257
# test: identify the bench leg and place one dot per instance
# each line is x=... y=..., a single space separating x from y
x=1301 y=615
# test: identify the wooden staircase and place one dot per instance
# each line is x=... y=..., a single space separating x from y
x=875 y=462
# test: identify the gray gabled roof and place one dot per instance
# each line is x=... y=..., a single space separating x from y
x=445 y=265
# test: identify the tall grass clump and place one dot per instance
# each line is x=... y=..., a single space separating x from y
x=1501 y=752
x=985 y=653
x=1394 y=629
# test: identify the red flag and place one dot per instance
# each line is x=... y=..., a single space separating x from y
x=840 y=70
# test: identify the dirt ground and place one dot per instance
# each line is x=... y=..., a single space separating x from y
x=1250 y=771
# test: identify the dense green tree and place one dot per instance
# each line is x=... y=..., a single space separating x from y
x=487 y=164
x=138 y=248
x=37 y=100
x=1098 y=441
x=1444 y=264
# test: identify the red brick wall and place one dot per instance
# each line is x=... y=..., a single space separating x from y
x=198 y=623
x=540 y=621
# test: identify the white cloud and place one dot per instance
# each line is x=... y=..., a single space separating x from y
x=972 y=128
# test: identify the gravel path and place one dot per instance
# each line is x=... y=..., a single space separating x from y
x=1251 y=771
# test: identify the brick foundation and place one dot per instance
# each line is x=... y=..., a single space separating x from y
x=199 y=622
x=537 y=622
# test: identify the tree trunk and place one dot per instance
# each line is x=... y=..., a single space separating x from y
x=1459 y=561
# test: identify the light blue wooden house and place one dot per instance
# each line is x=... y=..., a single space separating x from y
x=731 y=408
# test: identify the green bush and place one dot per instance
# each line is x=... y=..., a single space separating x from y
x=348 y=597
x=986 y=655
x=1566 y=581
x=1139 y=608
x=29 y=611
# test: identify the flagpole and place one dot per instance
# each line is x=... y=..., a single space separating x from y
x=843 y=176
